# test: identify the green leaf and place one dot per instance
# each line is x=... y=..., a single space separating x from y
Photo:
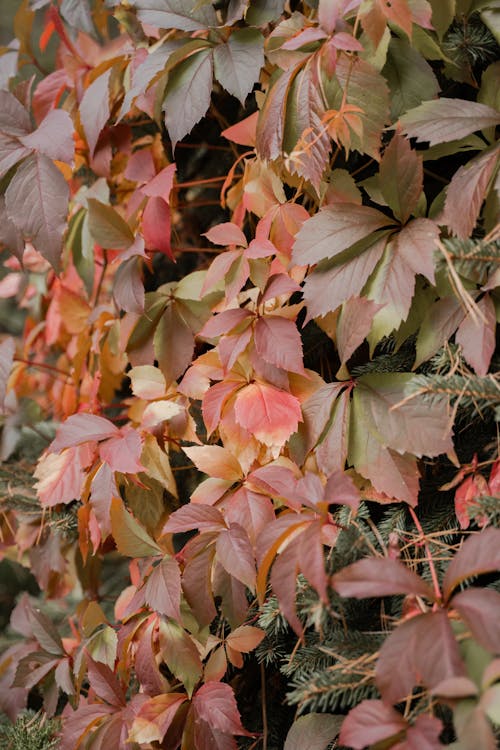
x=180 y=653
x=107 y=227
x=188 y=94
x=410 y=77
x=443 y=12
x=131 y=538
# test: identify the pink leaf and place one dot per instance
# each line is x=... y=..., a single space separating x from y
x=224 y=322
x=379 y=576
x=243 y=133
x=245 y=638
x=53 y=137
x=123 y=452
x=369 y=723
x=479 y=554
x=477 y=335
x=7 y=350
x=268 y=413
x=189 y=517
x=226 y=234
x=215 y=703
x=94 y=109
x=156 y=226
x=61 y=477
x=163 y=589
x=278 y=342
x=334 y=229
x=235 y=554
x=480 y=608
x=161 y=185
x=354 y=324
x=82 y=428
x=443 y=120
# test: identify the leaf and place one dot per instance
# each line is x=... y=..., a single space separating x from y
x=123 y=451
x=379 y=576
x=334 y=229
x=176 y=14
x=131 y=539
x=82 y=428
x=7 y=351
x=443 y=120
x=479 y=554
x=333 y=283
x=37 y=203
x=238 y=61
x=107 y=227
x=53 y=137
x=424 y=734
x=156 y=226
x=128 y=289
x=14 y=118
x=245 y=638
x=354 y=324
x=271 y=122
x=376 y=14
x=477 y=336
x=226 y=234
x=162 y=591
x=401 y=177
x=78 y=14
x=215 y=703
x=188 y=94
x=180 y=653
x=369 y=723
x=278 y=342
x=410 y=252
x=61 y=477
x=155 y=717
x=314 y=731
x=439 y=324
x=105 y=683
x=94 y=109
x=45 y=632
x=215 y=461
x=467 y=191
x=193 y=516
x=410 y=77
x=443 y=12
x=268 y=413
x=173 y=344
x=235 y=554
x=147 y=382
x=161 y=185
x=243 y=132
x=480 y=608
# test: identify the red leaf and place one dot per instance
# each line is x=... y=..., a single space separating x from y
x=94 y=109
x=268 y=413
x=479 y=554
x=480 y=608
x=334 y=229
x=369 y=723
x=163 y=589
x=193 y=516
x=215 y=703
x=235 y=554
x=477 y=335
x=105 y=683
x=53 y=137
x=443 y=120
x=313 y=731
x=37 y=203
x=82 y=428
x=379 y=576
x=156 y=226
x=278 y=342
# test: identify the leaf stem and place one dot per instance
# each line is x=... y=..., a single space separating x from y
x=264 y=706
x=435 y=582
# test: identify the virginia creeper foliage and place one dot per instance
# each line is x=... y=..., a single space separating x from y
x=256 y=252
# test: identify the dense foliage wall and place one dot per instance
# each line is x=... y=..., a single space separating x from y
x=248 y=380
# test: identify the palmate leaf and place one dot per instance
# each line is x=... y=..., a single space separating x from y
x=444 y=120
x=185 y=15
x=237 y=62
x=188 y=94
x=379 y=577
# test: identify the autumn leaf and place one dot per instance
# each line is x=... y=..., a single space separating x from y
x=268 y=413
x=188 y=94
x=444 y=120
